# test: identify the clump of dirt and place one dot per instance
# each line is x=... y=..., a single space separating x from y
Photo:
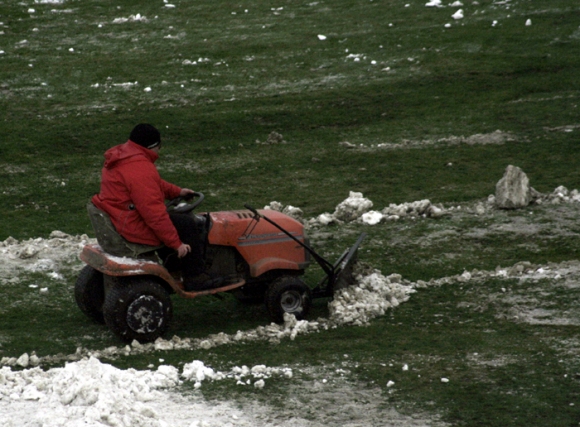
x=273 y=138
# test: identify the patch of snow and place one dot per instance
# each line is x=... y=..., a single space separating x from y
x=130 y=18
x=458 y=14
x=372 y=217
x=40 y=255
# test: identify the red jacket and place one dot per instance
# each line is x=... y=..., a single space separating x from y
x=133 y=195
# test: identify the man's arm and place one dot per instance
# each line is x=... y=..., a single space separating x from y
x=147 y=193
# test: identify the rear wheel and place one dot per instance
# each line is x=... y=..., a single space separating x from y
x=90 y=293
x=288 y=294
x=138 y=309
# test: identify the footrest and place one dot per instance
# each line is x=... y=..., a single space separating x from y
x=223 y=288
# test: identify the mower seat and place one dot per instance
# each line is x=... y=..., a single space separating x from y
x=112 y=242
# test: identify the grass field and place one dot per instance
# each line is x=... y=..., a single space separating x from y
x=408 y=87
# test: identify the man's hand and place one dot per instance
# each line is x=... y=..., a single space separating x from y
x=186 y=192
x=183 y=250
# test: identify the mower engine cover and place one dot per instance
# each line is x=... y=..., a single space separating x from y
x=263 y=246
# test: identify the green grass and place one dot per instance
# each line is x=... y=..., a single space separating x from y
x=266 y=70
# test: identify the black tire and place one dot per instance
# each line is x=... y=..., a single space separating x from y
x=288 y=294
x=90 y=293
x=138 y=308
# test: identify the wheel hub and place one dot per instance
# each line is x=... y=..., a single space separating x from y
x=291 y=301
x=145 y=314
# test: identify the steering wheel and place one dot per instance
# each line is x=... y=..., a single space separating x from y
x=179 y=205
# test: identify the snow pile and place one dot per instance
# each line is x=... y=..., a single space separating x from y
x=348 y=210
x=94 y=394
x=195 y=62
x=352 y=208
x=40 y=255
x=289 y=210
x=88 y=392
x=357 y=208
x=420 y=208
x=131 y=18
x=434 y=3
x=109 y=84
x=372 y=217
x=372 y=297
x=458 y=14
x=198 y=372
x=560 y=195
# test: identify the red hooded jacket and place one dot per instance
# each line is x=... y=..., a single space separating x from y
x=133 y=195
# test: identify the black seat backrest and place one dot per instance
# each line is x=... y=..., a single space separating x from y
x=111 y=241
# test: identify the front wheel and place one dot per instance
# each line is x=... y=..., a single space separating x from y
x=138 y=309
x=288 y=294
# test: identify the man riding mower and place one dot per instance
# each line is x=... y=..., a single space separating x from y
x=148 y=250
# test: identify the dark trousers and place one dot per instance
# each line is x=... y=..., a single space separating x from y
x=193 y=263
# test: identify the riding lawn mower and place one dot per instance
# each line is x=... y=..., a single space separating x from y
x=255 y=254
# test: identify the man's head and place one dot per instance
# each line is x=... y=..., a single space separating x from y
x=146 y=136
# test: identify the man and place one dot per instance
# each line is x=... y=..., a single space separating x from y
x=133 y=195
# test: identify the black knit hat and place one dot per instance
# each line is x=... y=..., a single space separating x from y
x=146 y=136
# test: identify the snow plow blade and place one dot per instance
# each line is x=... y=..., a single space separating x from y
x=340 y=274
x=343 y=275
